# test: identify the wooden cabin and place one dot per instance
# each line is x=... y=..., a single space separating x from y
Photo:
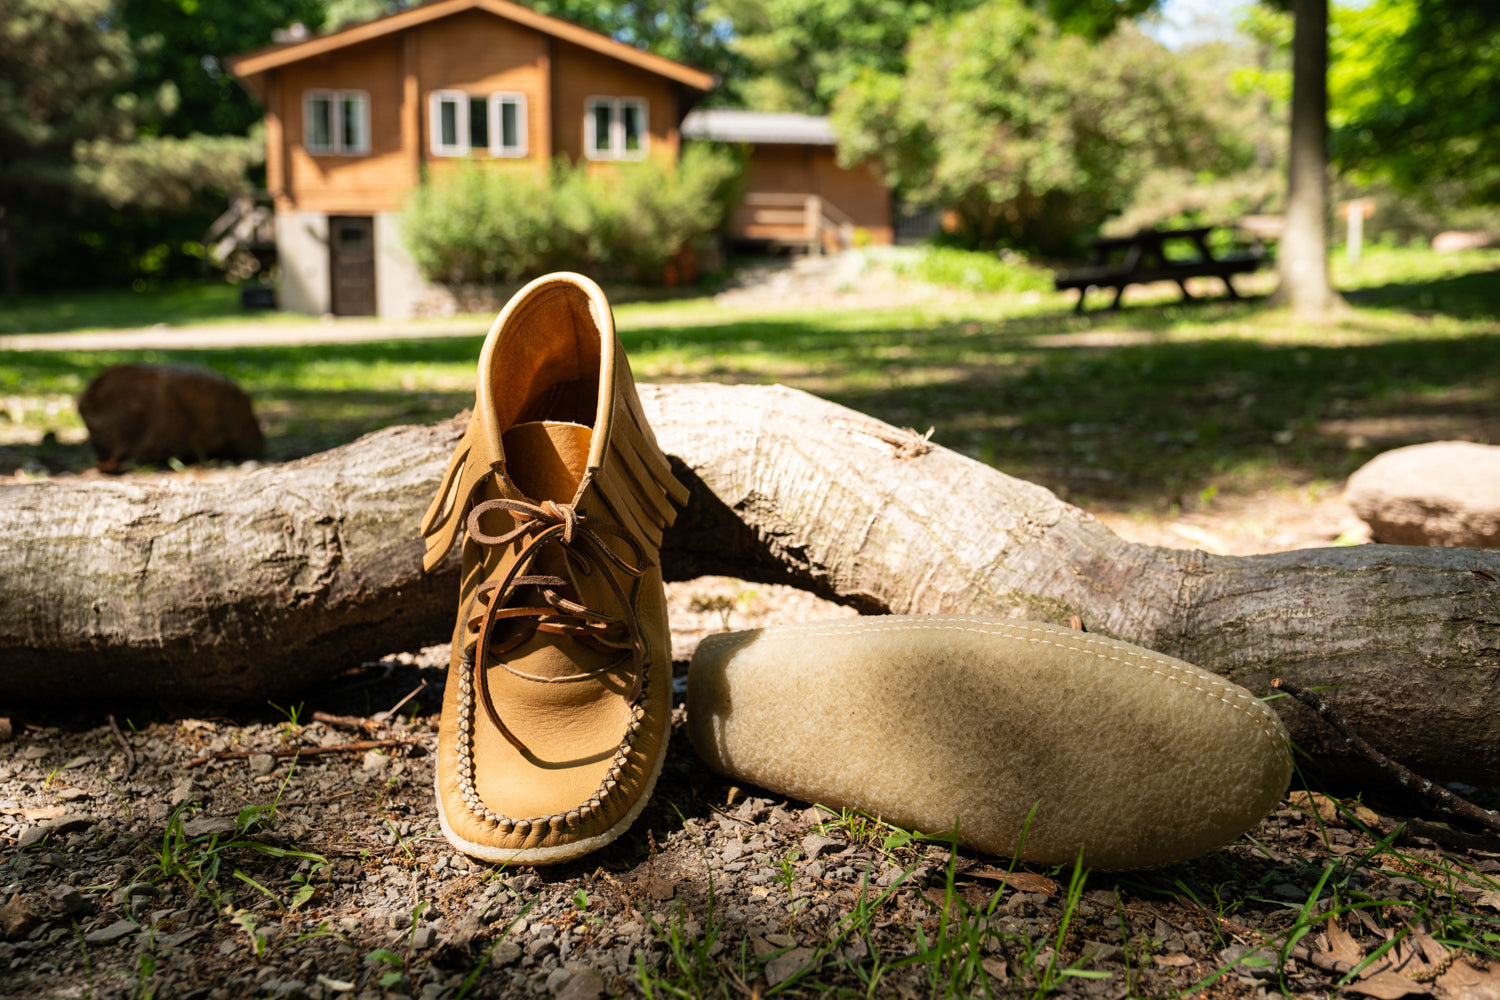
x=354 y=118
x=796 y=194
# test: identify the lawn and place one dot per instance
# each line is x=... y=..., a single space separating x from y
x=720 y=891
x=175 y=305
x=1159 y=406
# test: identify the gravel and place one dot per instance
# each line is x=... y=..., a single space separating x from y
x=347 y=889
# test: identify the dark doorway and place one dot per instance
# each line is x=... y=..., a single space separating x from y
x=351 y=264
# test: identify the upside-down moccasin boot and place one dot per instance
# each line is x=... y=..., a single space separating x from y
x=558 y=700
x=1028 y=739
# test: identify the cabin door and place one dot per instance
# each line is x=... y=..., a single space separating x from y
x=351 y=264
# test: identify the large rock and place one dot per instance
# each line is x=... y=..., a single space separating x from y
x=1455 y=240
x=1442 y=493
x=147 y=414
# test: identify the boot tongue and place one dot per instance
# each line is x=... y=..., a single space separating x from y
x=547 y=460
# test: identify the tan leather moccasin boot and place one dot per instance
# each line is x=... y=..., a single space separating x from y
x=558 y=700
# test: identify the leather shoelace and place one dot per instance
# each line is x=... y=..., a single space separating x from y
x=583 y=550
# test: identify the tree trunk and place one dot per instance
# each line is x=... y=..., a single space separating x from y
x=10 y=263
x=1302 y=258
x=245 y=584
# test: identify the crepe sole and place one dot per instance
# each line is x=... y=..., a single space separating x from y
x=1026 y=739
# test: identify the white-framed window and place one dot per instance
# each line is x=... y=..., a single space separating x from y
x=615 y=128
x=462 y=123
x=336 y=122
x=508 y=124
x=448 y=116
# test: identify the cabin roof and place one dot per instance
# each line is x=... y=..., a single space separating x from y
x=252 y=65
x=726 y=125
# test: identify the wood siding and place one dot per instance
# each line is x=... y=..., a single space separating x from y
x=780 y=180
x=578 y=74
x=472 y=51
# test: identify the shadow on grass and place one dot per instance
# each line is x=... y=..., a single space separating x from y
x=1147 y=408
x=1465 y=296
x=180 y=305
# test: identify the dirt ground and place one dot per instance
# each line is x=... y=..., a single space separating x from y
x=293 y=852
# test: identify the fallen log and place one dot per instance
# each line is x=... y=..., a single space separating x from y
x=253 y=583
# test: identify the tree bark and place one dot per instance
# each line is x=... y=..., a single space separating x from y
x=1302 y=257
x=252 y=583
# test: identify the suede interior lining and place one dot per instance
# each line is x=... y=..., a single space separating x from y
x=544 y=382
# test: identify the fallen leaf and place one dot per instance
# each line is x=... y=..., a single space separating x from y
x=1342 y=946
x=1331 y=810
x=1364 y=917
x=1464 y=982
x=1315 y=802
x=1432 y=951
x=1488 y=897
x=996 y=967
x=1387 y=986
x=937 y=897
x=1176 y=960
x=1019 y=881
x=32 y=815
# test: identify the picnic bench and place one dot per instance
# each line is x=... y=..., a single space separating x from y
x=1141 y=258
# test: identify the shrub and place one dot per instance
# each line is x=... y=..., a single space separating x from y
x=481 y=225
x=978 y=271
x=1030 y=135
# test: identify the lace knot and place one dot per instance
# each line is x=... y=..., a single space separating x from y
x=583 y=549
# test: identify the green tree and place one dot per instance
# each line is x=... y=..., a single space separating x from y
x=1094 y=19
x=71 y=125
x=1302 y=257
x=802 y=53
x=1415 y=91
x=1032 y=135
x=184 y=43
x=694 y=32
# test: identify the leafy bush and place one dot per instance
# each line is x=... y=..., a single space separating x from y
x=1030 y=135
x=481 y=225
x=978 y=271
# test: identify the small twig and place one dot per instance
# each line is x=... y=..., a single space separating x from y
x=1457 y=839
x=124 y=744
x=1406 y=778
x=726 y=815
x=906 y=442
x=301 y=751
x=397 y=707
x=346 y=721
x=1325 y=962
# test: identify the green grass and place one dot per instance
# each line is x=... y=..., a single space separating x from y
x=965 y=941
x=178 y=305
x=1158 y=405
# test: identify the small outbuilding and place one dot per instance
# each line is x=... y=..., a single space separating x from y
x=796 y=194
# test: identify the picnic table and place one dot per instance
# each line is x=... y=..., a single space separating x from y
x=1141 y=258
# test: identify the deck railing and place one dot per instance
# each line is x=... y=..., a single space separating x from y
x=795 y=219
